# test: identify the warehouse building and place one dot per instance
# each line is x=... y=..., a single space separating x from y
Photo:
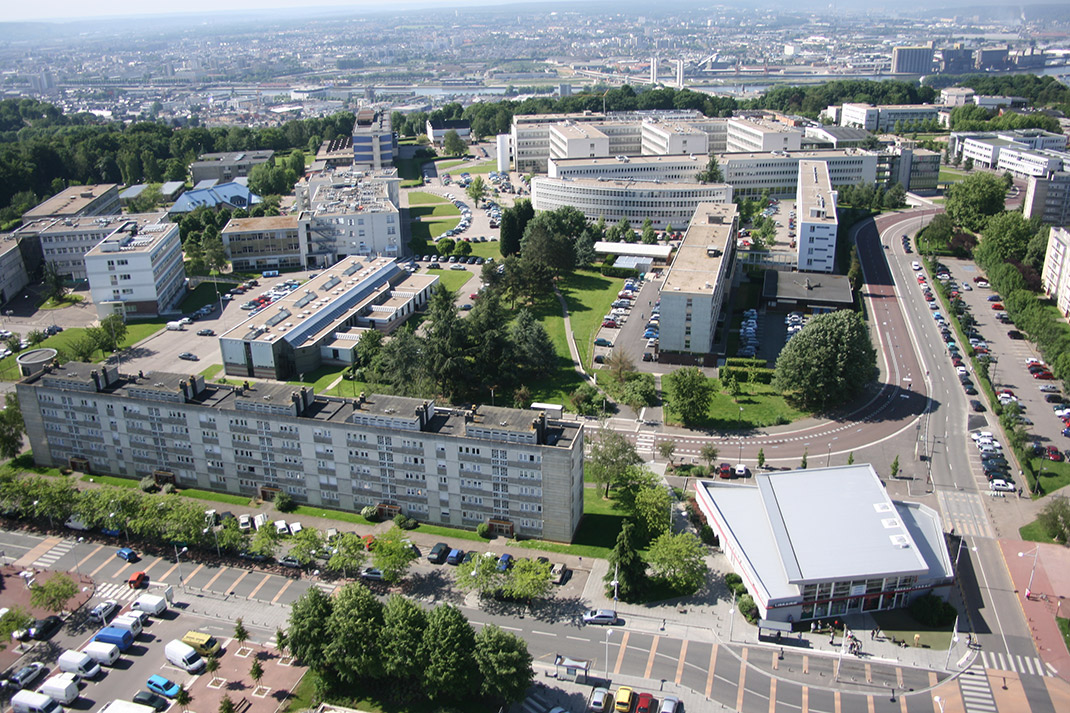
x=521 y=472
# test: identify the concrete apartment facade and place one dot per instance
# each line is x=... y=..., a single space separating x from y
x=227 y=166
x=13 y=274
x=1048 y=198
x=880 y=119
x=755 y=135
x=1056 y=274
x=66 y=241
x=666 y=204
x=815 y=211
x=373 y=141
x=137 y=270
x=912 y=60
x=698 y=280
x=632 y=168
x=750 y=174
x=517 y=470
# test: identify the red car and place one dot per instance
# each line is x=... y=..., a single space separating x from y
x=998 y=306
x=609 y=324
x=369 y=541
x=1043 y=375
x=139 y=580
x=645 y=703
x=979 y=278
x=724 y=470
x=1053 y=454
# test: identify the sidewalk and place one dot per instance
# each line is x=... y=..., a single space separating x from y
x=17 y=595
x=1042 y=572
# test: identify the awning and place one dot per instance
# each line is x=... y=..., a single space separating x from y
x=774 y=625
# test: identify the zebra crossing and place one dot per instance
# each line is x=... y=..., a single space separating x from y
x=118 y=592
x=327 y=588
x=49 y=558
x=1019 y=664
x=645 y=442
x=976 y=693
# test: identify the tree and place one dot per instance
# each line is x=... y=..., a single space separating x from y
x=404 y=624
x=215 y=254
x=265 y=542
x=256 y=672
x=347 y=554
x=895 y=467
x=453 y=144
x=652 y=513
x=11 y=426
x=709 y=454
x=851 y=458
x=55 y=283
x=761 y=457
x=53 y=594
x=392 y=555
x=528 y=579
x=505 y=666
x=183 y=698
x=226 y=705
x=532 y=349
x=626 y=565
x=241 y=634
x=679 y=560
x=611 y=455
x=543 y=244
x=619 y=365
x=688 y=394
x=352 y=648
x=712 y=172
x=802 y=464
x=973 y=200
x=480 y=574
x=449 y=645
x=81 y=348
x=476 y=190
x=667 y=450
x=1055 y=518
x=231 y=538
x=826 y=364
x=211 y=665
x=306 y=545
x=1005 y=238
x=15 y=619
x=307 y=633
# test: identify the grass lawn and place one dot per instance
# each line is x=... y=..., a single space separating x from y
x=239 y=500
x=321 y=378
x=421 y=198
x=210 y=372
x=1035 y=532
x=111 y=480
x=205 y=294
x=23 y=463
x=562 y=379
x=447 y=164
x=597 y=533
x=427 y=230
x=309 y=511
x=69 y=300
x=951 y=175
x=590 y=297
x=899 y=624
x=1051 y=475
x=135 y=332
x=1064 y=627
x=452 y=279
x=762 y=406
x=487 y=250
x=409 y=171
x=450 y=532
x=437 y=211
x=485 y=167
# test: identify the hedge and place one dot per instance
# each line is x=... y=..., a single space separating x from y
x=611 y=271
x=740 y=361
x=753 y=375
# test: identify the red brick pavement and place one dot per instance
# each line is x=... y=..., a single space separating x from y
x=233 y=679
x=13 y=593
x=1051 y=583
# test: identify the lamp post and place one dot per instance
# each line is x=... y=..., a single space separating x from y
x=1029 y=587
x=178 y=561
x=732 y=617
x=216 y=536
x=739 y=421
x=939 y=702
x=828 y=462
x=609 y=632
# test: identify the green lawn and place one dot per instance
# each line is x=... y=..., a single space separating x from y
x=487 y=250
x=23 y=463
x=1035 y=532
x=206 y=294
x=1051 y=475
x=321 y=378
x=69 y=300
x=447 y=164
x=210 y=372
x=352 y=517
x=427 y=230
x=135 y=332
x=900 y=624
x=762 y=406
x=589 y=296
x=485 y=167
x=422 y=198
x=449 y=532
x=237 y=500
x=438 y=211
x=951 y=175
x=454 y=280
x=1064 y=627
x=562 y=379
x=111 y=480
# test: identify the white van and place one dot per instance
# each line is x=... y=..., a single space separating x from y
x=184 y=656
x=75 y=523
x=150 y=604
x=78 y=663
x=30 y=702
x=130 y=623
x=62 y=688
x=103 y=654
x=176 y=326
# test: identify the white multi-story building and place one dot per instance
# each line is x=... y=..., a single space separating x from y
x=13 y=276
x=1056 y=275
x=880 y=119
x=265 y=243
x=348 y=212
x=752 y=135
x=665 y=204
x=570 y=140
x=1034 y=139
x=984 y=152
x=956 y=96
x=1048 y=198
x=65 y=241
x=752 y=173
x=672 y=138
x=1026 y=162
x=815 y=211
x=373 y=141
x=698 y=279
x=518 y=471
x=78 y=201
x=322 y=321
x=137 y=270
x=640 y=168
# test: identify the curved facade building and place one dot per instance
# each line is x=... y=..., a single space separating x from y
x=664 y=203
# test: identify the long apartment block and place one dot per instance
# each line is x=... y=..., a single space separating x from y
x=517 y=470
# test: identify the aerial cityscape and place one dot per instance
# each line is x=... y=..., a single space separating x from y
x=541 y=358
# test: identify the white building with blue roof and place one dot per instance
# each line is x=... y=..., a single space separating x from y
x=826 y=542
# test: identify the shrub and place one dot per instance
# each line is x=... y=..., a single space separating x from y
x=370 y=512
x=169 y=489
x=708 y=536
x=405 y=522
x=483 y=530
x=932 y=611
x=284 y=502
x=148 y=484
x=748 y=608
x=611 y=271
x=732 y=578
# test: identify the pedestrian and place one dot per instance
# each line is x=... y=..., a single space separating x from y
x=872 y=634
x=813 y=626
x=832 y=637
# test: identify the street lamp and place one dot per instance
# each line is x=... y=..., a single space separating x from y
x=609 y=632
x=739 y=421
x=216 y=536
x=732 y=617
x=940 y=702
x=829 y=461
x=178 y=561
x=1029 y=587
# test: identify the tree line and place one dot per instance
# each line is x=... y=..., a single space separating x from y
x=397 y=652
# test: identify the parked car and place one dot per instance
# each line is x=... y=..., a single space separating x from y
x=505 y=562
x=438 y=553
x=26 y=676
x=163 y=686
x=127 y=554
x=147 y=698
x=600 y=616
x=43 y=629
x=371 y=574
x=188 y=356
x=104 y=611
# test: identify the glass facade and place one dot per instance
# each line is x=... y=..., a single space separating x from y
x=850 y=596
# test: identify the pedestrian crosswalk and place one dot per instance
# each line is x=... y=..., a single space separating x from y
x=327 y=587
x=645 y=442
x=1018 y=664
x=49 y=558
x=118 y=592
x=976 y=693
x=534 y=703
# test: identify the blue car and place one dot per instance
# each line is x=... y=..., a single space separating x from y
x=505 y=562
x=649 y=334
x=127 y=554
x=163 y=686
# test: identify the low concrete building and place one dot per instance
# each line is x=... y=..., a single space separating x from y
x=803 y=559
x=226 y=166
x=266 y=243
x=77 y=202
x=13 y=275
x=807 y=292
x=66 y=241
x=436 y=130
x=747 y=134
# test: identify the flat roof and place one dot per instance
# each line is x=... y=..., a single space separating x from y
x=269 y=222
x=812 y=287
x=69 y=202
x=698 y=259
x=578 y=131
x=106 y=223
x=210 y=159
x=767 y=125
x=132 y=237
x=660 y=252
x=791 y=155
x=815 y=194
x=639 y=160
x=840 y=133
x=648 y=184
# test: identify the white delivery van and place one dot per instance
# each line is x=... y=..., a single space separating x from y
x=62 y=688
x=75 y=523
x=176 y=326
x=30 y=702
x=130 y=623
x=150 y=604
x=78 y=663
x=183 y=656
x=103 y=654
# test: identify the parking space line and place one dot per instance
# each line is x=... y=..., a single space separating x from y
x=284 y=588
x=78 y=566
x=650 y=658
x=234 y=585
x=740 y=687
x=805 y=707
x=870 y=704
x=194 y=572
x=772 y=694
x=680 y=665
x=256 y=589
x=620 y=652
x=154 y=563
x=837 y=702
x=214 y=578
x=166 y=574
x=119 y=573
x=100 y=566
x=709 y=676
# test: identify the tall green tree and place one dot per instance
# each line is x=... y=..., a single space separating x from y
x=307 y=634
x=400 y=641
x=449 y=646
x=828 y=363
x=688 y=394
x=347 y=554
x=445 y=342
x=505 y=666
x=352 y=650
x=652 y=512
x=11 y=426
x=54 y=282
x=712 y=173
x=533 y=351
x=679 y=560
x=54 y=593
x=972 y=201
x=626 y=565
x=610 y=457
x=392 y=555
x=453 y=144
x=476 y=190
